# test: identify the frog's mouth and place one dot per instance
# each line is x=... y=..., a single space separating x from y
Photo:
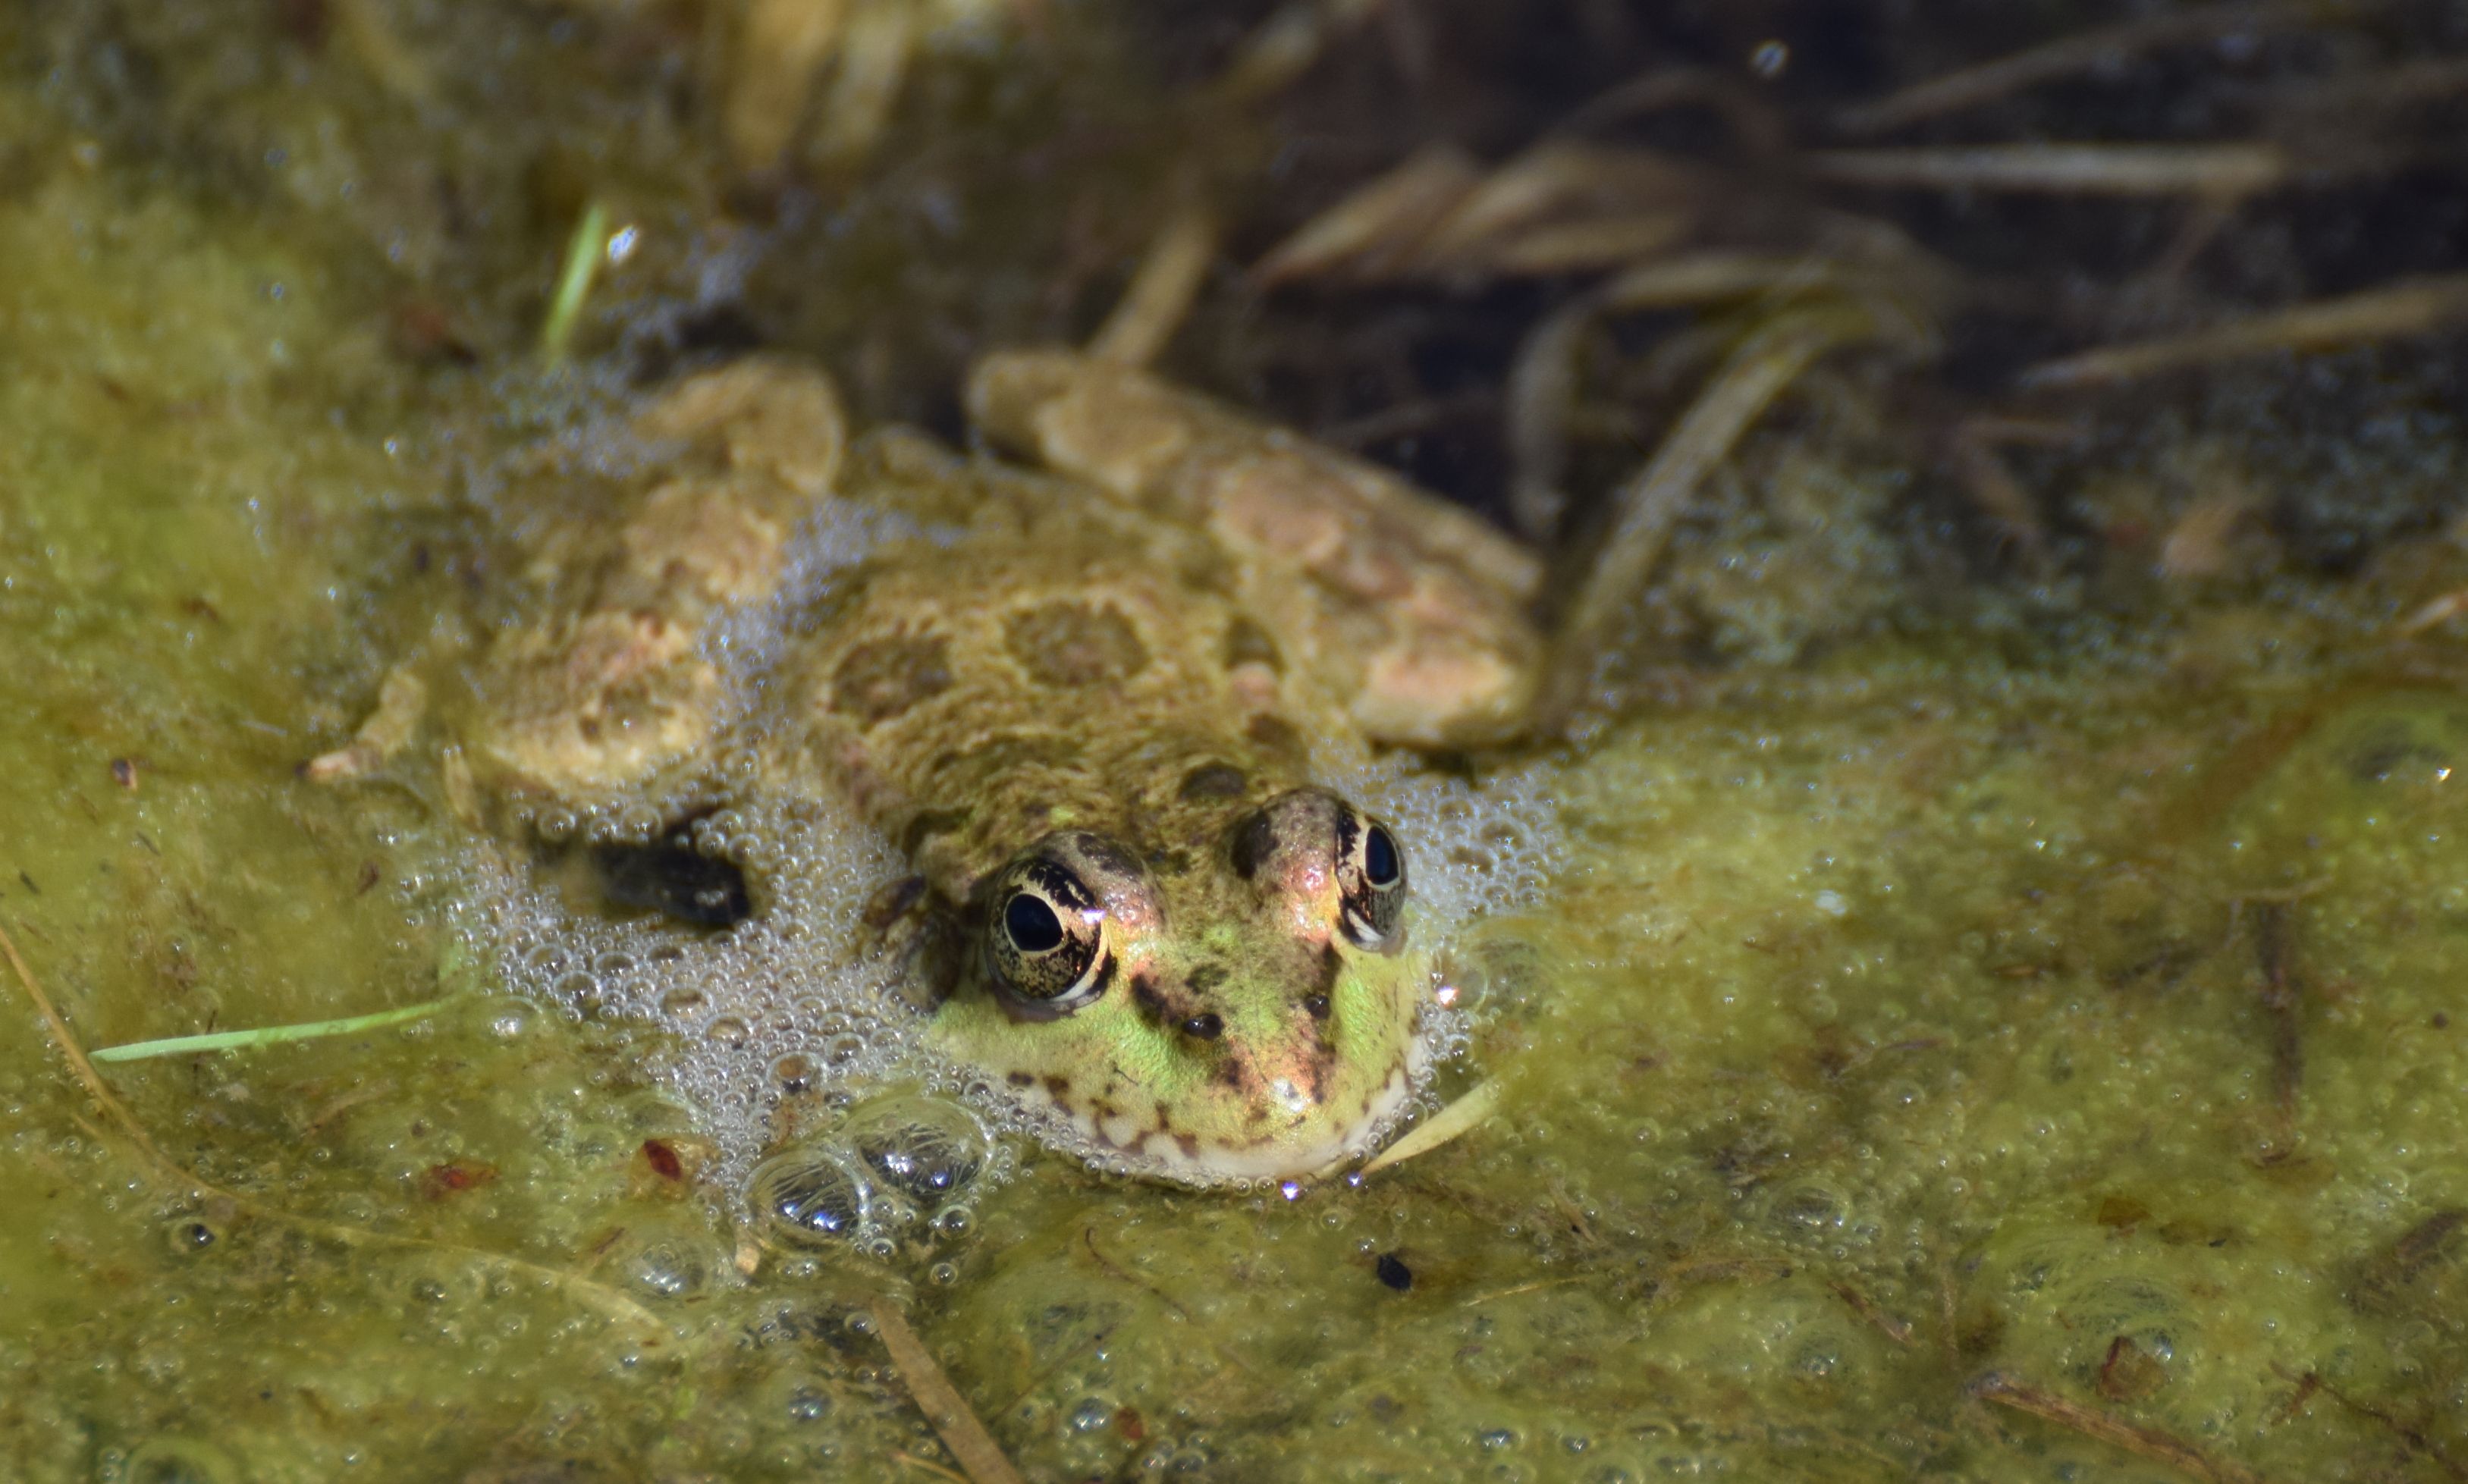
x=1153 y=1146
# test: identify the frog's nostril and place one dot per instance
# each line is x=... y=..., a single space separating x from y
x=1316 y=1006
x=1205 y=1026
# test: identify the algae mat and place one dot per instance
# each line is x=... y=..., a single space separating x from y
x=1958 y=1052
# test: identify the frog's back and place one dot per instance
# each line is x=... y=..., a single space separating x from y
x=971 y=696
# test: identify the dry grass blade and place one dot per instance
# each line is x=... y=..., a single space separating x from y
x=954 y=1423
x=2412 y=306
x=1984 y=476
x=2229 y=170
x=1760 y=130
x=2197 y=545
x=1551 y=184
x=1161 y=292
x=1591 y=244
x=871 y=63
x=2428 y=80
x=2434 y=614
x=1703 y=278
x=1649 y=505
x=372 y=41
x=1542 y=381
x=781 y=46
x=2151 y=1442
x=2067 y=57
x=608 y=1300
x=1287 y=44
x=1453 y=1121
x=1378 y=224
x=1541 y=392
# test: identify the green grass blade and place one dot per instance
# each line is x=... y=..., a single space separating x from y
x=263 y=1035
x=582 y=256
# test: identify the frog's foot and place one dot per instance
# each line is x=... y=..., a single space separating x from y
x=1411 y=606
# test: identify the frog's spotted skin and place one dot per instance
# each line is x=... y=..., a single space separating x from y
x=1093 y=730
x=1135 y=726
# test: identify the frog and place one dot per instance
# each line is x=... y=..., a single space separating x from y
x=1095 y=693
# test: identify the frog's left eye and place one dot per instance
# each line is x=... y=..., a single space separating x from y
x=1371 y=883
x=1046 y=945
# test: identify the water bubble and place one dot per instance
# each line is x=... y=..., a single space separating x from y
x=1091 y=1414
x=793 y=1074
x=510 y=1018
x=809 y=1403
x=667 y=1268
x=809 y=1196
x=727 y=1031
x=925 y=1147
x=190 y=1235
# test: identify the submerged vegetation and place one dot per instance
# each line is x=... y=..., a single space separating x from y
x=1996 y=1014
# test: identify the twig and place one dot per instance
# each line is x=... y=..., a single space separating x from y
x=2413 y=1437
x=1088 y=1239
x=2145 y=1442
x=940 y=1400
x=1899 y=1331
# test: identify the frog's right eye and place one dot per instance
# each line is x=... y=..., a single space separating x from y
x=1046 y=945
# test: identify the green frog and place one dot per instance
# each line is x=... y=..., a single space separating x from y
x=1095 y=707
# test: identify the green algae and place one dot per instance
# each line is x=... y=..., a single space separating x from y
x=1909 y=1014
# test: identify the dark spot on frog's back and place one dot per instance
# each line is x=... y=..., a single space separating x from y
x=1071 y=645
x=1246 y=643
x=1252 y=843
x=881 y=678
x=1213 y=781
x=1274 y=733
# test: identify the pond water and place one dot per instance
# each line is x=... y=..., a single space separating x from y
x=2015 y=1034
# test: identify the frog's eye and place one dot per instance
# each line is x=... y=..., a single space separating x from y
x=1045 y=946
x=1371 y=883
x=1311 y=844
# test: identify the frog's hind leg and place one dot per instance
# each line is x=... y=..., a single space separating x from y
x=597 y=700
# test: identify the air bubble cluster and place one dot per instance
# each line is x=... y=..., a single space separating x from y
x=1477 y=847
x=896 y=1169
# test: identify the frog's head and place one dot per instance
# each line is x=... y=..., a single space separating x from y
x=1244 y=1010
